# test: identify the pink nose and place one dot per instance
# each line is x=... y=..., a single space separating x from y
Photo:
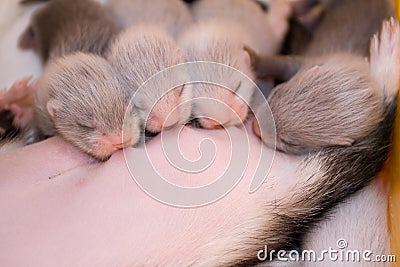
x=164 y=121
x=113 y=139
x=114 y=142
x=256 y=128
x=210 y=123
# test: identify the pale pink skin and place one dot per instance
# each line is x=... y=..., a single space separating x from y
x=96 y=215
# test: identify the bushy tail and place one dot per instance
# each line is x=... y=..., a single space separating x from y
x=331 y=175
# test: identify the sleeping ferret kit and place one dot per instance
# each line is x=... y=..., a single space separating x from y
x=327 y=70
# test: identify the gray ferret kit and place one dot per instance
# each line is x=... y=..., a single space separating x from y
x=329 y=73
x=80 y=98
x=63 y=27
x=219 y=34
x=335 y=107
x=136 y=55
x=172 y=15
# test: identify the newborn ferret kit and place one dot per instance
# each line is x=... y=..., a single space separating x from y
x=328 y=69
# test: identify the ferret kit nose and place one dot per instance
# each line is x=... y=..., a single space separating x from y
x=114 y=141
x=210 y=123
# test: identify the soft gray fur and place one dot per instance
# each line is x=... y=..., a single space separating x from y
x=136 y=55
x=62 y=27
x=79 y=98
x=222 y=30
x=173 y=15
x=333 y=72
x=325 y=178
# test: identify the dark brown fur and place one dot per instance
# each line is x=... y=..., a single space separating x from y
x=6 y=124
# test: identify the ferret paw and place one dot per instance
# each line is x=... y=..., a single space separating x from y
x=385 y=57
x=278 y=17
x=19 y=100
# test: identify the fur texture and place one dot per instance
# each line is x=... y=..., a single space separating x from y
x=136 y=55
x=66 y=26
x=220 y=42
x=247 y=17
x=308 y=109
x=330 y=76
x=327 y=16
x=221 y=31
x=325 y=178
x=361 y=19
x=173 y=15
x=361 y=220
x=79 y=98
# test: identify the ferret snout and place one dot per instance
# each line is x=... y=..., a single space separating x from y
x=166 y=120
x=113 y=142
x=223 y=110
x=169 y=111
x=210 y=123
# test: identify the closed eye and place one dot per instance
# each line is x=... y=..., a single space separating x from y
x=85 y=126
x=292 y=144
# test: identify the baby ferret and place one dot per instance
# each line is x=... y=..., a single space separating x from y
x=136 y=55
x=62 y=27
x=217 y=41
x=173 y=15
x=347 y=26
x=217 y=37
x=79 y=98
x=263 y=32
x=312 y=98
x=324 y=179
x=328 y=16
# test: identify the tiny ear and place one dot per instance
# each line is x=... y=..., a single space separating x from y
x=52 y=107
x=252 y=55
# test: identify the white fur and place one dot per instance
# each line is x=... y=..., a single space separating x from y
x=361 y=221
x=385 y=57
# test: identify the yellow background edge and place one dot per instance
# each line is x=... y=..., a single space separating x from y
x=394 y=196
